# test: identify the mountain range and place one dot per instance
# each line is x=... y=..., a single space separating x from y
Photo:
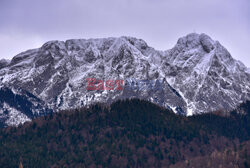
x=197 y=75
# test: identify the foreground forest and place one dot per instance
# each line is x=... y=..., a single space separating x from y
x=129 y=133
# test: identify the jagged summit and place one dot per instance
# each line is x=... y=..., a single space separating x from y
x=200 y=73
x=98 y=42
x=205 y=73
x=193 y=40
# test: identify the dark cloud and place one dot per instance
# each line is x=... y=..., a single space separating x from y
x=27 y=24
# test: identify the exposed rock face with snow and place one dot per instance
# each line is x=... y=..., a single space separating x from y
x=197 y=75
x=4 y=63
x=18 y=106
x=206 y=75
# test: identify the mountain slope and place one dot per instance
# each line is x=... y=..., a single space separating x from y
x=18 y=106
x=60 y=69
x=197 y=75
x=206 y=75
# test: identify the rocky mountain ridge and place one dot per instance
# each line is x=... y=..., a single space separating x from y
x=197 y=75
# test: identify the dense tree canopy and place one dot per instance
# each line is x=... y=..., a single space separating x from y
x=128 y=133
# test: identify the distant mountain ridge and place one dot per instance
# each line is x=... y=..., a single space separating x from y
x=199 y=74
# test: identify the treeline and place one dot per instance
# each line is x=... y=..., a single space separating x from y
x=128 y=133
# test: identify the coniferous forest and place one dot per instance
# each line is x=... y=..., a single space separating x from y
x=129 y=133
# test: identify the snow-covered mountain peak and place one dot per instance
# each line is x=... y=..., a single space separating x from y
x=200 y=73
x=138 y=43
x=53 y=45
x=195 y=50
x=194 y=41
x=200 y=68
x=189 y=41
x=76 y=44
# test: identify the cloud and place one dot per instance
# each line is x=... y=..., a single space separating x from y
x=159 y=22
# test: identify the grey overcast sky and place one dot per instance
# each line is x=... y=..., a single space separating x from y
x=26 y=24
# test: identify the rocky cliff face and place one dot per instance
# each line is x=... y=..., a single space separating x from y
x=18 y=106
x=206 y=75
x=197 y=75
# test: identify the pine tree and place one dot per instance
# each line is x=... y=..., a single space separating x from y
x=20 y=163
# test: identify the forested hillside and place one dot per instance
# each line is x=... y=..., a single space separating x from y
x=129 y=133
